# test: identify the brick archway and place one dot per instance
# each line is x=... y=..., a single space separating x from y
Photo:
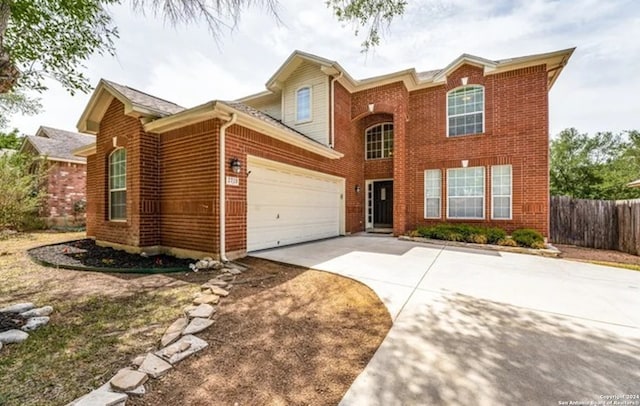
x=378 y=108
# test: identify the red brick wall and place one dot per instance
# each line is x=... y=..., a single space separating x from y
x=188 y=179
x=92 y=195
x=127 y=132
x=516 y=133
x=65 y=186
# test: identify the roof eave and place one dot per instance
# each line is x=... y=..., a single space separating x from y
x=85 y=151
x=215 y=109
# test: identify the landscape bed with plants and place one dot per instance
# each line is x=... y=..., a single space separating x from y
x=524 y=237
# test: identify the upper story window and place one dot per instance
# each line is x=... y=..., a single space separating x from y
x=465 y=111
x=118 y=185
x=303 y=104
x=379 y=141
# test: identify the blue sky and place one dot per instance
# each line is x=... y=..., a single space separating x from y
x=597 y=91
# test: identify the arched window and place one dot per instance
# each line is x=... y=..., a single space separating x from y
x=303 y=104
x=379 y=141
x=118 y=185
x=465 y=111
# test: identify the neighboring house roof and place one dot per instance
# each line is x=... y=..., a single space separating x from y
x=56 y=144
x=635 y=183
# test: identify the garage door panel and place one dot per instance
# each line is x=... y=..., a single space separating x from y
x=287 y=207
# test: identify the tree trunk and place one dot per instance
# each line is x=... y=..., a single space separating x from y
x=8 y=72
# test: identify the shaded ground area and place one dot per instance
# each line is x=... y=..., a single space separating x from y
x=85 y=253
x=597 y=256
x=274 y=333
x=296 y=339
x=462 y=350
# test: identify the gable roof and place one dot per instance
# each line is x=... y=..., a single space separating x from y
x=56 y=144
x=412 y=79
x=136 y=103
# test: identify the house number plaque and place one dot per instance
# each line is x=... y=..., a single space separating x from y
x=233 y=181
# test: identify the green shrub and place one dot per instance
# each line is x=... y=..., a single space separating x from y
x=495 y=234
x=526 y=237
x=462 y=232
x=538 y=245
x=507 y=242
x=478 y=238
x=22 y=192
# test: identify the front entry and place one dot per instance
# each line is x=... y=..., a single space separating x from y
x=383 y=204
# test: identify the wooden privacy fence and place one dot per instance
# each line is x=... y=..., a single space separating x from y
x=602 y=224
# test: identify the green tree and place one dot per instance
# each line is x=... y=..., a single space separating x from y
x=10 y=140
x=595 y=167
x=21 y=191
x=15 y=102
x=52 y=38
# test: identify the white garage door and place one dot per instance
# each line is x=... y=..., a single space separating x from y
x=287 y=205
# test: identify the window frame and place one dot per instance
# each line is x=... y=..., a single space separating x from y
x=472 y=86
x=483 y=195
x=439 y=172
x=310 y=118
x=382 y=150
x=493 y=196
x=111 y=190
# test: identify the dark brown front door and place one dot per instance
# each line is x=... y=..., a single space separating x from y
x=383 y=204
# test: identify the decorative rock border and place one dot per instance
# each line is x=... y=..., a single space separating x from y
x=549 y=251
x=177 y=343
x=33 y=318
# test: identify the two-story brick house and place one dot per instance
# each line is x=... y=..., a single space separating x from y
x=320 y=154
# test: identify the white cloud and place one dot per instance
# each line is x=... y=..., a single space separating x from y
x=595 y=92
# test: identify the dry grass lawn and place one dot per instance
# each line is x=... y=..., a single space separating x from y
x=298 y=337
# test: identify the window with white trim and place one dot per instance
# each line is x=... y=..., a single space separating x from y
x=465 y=193
x=303 y=104
x=118 y=184
x=379 y=141
x=432 y=193
x=465 y=111
x=501 y=192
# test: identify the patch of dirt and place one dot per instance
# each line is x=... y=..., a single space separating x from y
x=300 y=337
x=297 y=337
x=86 y=253
x=592 y=254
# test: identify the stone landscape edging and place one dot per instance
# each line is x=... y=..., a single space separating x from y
x=102 y=269
x=155 y=364
x=550 y=251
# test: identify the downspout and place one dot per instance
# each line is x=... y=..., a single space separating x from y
x=333 y=110
x=222 y=180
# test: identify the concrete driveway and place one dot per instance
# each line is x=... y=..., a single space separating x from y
x=477 y=327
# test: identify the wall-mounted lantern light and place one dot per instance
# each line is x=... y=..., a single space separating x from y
x=235 y=165
x=357 y=188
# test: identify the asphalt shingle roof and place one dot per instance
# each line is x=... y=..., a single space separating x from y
x=157 y=105
x=55 y=143
x=264 y=117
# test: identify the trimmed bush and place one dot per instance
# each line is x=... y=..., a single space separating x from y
x=495 y=234
x=461 y=232
x=507 y=242
x=526 y=237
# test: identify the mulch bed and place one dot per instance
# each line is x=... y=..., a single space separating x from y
x=11 y=321
x=85 y=253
